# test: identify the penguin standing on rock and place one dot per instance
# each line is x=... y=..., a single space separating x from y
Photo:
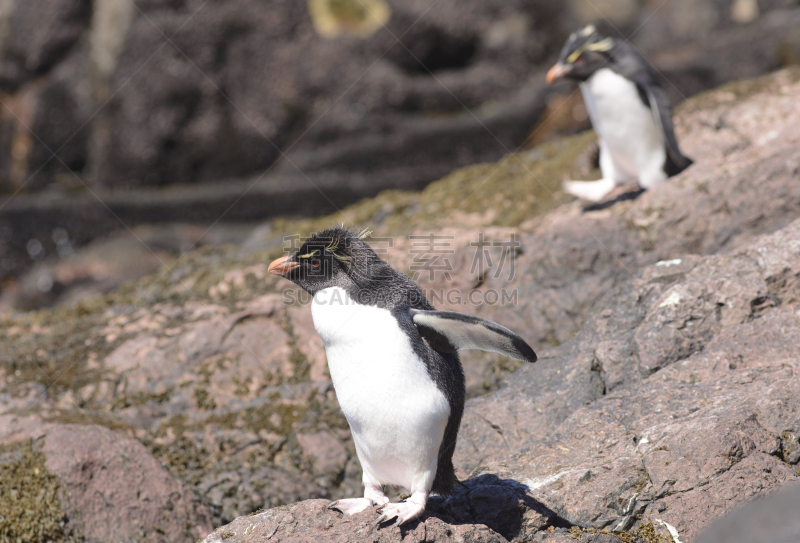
x=394 y=363
x=629 y=110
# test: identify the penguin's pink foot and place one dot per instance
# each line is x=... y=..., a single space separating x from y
x=351 y=506
x=403 y=512
x=375 y=493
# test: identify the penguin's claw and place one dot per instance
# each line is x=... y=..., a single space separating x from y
x=351 y=506
x=403 y=512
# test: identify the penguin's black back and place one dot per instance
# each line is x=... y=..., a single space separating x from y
x=446 y=371
x=630 y=64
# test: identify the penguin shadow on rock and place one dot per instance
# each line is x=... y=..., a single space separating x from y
x=630 y=112
x=394 y=363
x=503 y=505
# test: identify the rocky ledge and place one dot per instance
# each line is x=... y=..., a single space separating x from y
x=666 y=392
x=693 y=367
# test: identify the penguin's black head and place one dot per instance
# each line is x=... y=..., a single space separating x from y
x=334 y=257
x=584 y=52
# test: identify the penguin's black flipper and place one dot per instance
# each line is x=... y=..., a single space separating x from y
x=662 y=114
x=447 y=332
x=631 y=64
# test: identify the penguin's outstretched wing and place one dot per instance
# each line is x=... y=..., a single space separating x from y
x=662 y=114
x=447 y=332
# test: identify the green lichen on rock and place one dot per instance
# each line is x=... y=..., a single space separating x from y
x=52 y=346
x=646 y=532
x=185 y=458
x=519 y=187
x=30 y=508
x=203 y=399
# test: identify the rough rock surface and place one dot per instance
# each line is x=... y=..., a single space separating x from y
x=109 y=487
x=669 y=391
x=708 y=395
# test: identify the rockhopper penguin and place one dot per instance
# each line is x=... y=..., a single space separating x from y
x=629 y=110
x=394 y=363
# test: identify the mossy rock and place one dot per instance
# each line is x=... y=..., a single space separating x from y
x=30 y=507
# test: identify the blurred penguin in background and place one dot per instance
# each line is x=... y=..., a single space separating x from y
x=629 y=110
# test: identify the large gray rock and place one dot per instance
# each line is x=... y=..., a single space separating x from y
x=773 y=519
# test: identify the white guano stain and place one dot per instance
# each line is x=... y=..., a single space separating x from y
x=535 y=484
x=672 y=531
x=674 y=298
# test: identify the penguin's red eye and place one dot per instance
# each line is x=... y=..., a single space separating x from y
x=579 y=60
x=315 y=264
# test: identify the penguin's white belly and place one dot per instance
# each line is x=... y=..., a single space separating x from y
x=396 y=412
x=626 y=127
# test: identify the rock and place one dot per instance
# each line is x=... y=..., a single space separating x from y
x=325 y=453
x=75 y=273
x=108 y=487
x=665 y=327
x=62 y=110
x=485 y=510
x=44 y=69
x=38 y=35
x=224 y=49
x=702 y=433
x=313 y=521
x=768 y=519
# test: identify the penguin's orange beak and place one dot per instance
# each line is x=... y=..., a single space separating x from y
x=557 y=72
x=281 y=267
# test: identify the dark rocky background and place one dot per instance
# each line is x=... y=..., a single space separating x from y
x=155 y=387
x=203 y=111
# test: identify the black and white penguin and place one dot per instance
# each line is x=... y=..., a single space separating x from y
x=629 y=110
x=394 y=363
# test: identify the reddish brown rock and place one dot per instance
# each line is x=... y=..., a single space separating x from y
x=484 y=510
x=312 y=521
x=118 y=490
x=111 y=487
x=684 y=443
